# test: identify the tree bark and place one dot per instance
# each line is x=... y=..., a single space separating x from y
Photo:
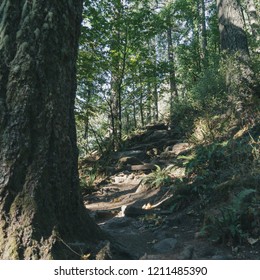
x=204 y=35
x=253 y=18
x=118 y=64
x=40 y=204
x=172 y=74
x=231 y=26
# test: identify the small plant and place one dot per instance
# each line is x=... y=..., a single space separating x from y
x=255 y=145
x=88 y=180
x=227 y=226
x=159 y=177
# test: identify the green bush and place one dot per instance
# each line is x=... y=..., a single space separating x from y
x=233 y=222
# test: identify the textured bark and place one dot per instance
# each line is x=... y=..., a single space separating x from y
x=40 y=202
x=254 y=22
x=240 y=78
x=172 y=74
x=118 y=63
x=231 y=26
x=253 y=16
x=204 y=35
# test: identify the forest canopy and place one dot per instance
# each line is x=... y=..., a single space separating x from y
x=144 y=62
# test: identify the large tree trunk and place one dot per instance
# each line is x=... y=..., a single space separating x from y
x=240 y=78
x=231 y=26
x=41 y=209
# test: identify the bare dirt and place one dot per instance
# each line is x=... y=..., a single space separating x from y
x=139 y=216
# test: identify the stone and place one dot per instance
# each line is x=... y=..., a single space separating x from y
x=187 y=253
x=222 y=257
x=180 y=147
x=124 y=161
x=131 y=153
x=142 y=167
x=104 y=251
x=131 y=211
x=157 y=135
x=157 y=126
x=165 y=245
x=119 y=223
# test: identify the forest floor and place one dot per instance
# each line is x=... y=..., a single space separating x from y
x=140 y=208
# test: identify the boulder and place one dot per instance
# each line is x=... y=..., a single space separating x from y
x=157 y=135
x=130 y=153
x=165 y=245
x=180 y=147
x=124 y=161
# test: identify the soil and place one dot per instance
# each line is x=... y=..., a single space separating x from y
x=138 y=215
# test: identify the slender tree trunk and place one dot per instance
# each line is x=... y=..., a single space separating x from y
x=40 y=204
x=118 y=65
x=155 y=97
x=204 y=35
x=114 y=111
x=149 y=103
x=141 y=108
x=197 y=38
x=172 y=74
x=135 y=120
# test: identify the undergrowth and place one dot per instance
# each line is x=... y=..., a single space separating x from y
x=222 y=170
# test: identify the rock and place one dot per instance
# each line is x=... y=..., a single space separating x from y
x=178 y=172
x=118 y=223
x=142 y=167
x=142 y=188
x=124 y=161
x=102 y=214
x=154 y=257
x=165 y=245
x=222 y=257
x=119 y=179
x=157 y=135
x=180 y=147
x=157 y=126
x=187 y=253
x=131 y=211
x=104 y=253
x=131 y=153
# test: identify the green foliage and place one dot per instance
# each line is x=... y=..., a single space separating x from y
x=222 y=159
x=159 y=177
x=88 y=181
x=227 y=226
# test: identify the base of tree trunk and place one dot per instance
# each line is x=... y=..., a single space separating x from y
x=21 y=239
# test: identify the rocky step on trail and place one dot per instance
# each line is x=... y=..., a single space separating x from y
x=140 y=218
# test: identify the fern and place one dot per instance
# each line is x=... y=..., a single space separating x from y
x=240 y=198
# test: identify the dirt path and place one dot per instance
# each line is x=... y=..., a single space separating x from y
x=133 y=213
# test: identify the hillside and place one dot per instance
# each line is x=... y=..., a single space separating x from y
x=164 y=196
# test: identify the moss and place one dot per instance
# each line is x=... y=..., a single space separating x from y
x=23 y=47
x=37 y=33
x=23 y=204
x=11 y=249
x=25 y=10
x=45 y=26
x=4 y=41
x=19 y=34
